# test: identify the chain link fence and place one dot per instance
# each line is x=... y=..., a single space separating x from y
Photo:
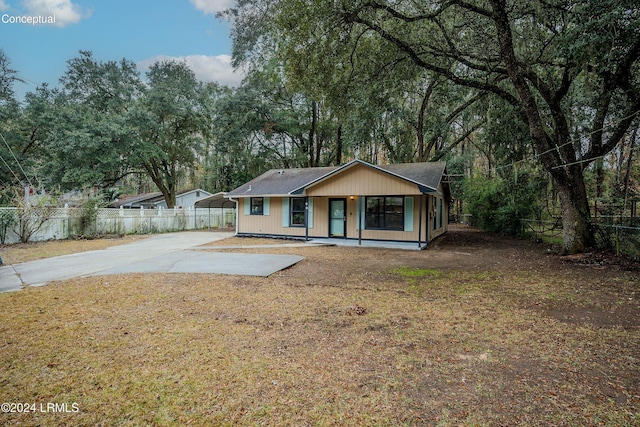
x=620 y=235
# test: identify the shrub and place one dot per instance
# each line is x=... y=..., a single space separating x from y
x=499 y=204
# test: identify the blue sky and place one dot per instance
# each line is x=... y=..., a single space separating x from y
x=143 y=31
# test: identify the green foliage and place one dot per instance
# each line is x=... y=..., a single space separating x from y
x=87 y=220
x=499 y=204
x=87 y=138
x=169 y=125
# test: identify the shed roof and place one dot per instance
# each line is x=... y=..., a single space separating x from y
x=132 y=200
x=281 y=182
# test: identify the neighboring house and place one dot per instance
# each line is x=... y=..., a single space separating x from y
x=156 y=200
x=402 y=202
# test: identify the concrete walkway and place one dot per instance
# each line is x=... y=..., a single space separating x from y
x=164 y=253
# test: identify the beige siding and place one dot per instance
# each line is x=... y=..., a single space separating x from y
x=430 y=223
x=259 y=224
x=361 y=180
x=272 y=223
x=354 y=233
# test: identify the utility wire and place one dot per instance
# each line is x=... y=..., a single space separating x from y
x=9 y=167
x=16 y=159
x=535 y=156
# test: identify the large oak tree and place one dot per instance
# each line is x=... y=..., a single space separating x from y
x=568 y=68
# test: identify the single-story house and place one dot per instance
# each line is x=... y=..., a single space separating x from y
x=401 y=202
x=185 y=199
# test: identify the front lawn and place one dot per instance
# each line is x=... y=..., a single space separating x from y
x=478 y=330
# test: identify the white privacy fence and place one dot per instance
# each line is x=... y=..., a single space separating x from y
x=48 y=223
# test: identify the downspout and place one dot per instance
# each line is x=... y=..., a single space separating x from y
x=306 y=219
x=237 y=213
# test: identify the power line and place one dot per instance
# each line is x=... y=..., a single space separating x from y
x=16 y=159
x=535 y=156
x=9 y=167
x=578 y=162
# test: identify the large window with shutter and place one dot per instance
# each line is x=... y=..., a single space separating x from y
x=384 y=213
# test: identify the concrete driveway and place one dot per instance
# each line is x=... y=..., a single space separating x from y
x=162 y=253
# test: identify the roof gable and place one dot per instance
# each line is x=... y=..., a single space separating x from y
x=425 y=175
x=361 y=180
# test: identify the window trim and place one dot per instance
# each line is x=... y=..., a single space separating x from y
x=367 y=226
x=251 y=211
x=292 y=211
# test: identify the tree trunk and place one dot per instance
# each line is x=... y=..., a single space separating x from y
x=312 y=132
x=565 y=171
x=339 y=146
x=422 y=154
x=577 y=228
x=627 y=174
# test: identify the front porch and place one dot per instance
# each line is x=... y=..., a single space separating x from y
x=413 y=246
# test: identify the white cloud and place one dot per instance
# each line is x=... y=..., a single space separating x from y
x=3 y=6
x=206 y=68
x=64 y=10
x=213 y=6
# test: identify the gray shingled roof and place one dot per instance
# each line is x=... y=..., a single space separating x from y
x=428 y=174
x=280 y=181
x=293 y=181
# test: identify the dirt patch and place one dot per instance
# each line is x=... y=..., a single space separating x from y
x=603 y=260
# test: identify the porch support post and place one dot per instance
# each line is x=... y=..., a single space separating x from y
x=359 y=208
x=427 y=222
x=420 y=222
x=306 y=219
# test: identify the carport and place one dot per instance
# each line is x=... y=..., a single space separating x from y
x=216 y=201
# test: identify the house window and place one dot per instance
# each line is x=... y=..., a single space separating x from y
x=296 y=213
x=385 y=213
x=257 y=206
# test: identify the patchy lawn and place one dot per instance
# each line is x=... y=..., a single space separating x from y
x=477 y=330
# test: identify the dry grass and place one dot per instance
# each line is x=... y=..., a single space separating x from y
x=346 y=337
x=23 y=252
